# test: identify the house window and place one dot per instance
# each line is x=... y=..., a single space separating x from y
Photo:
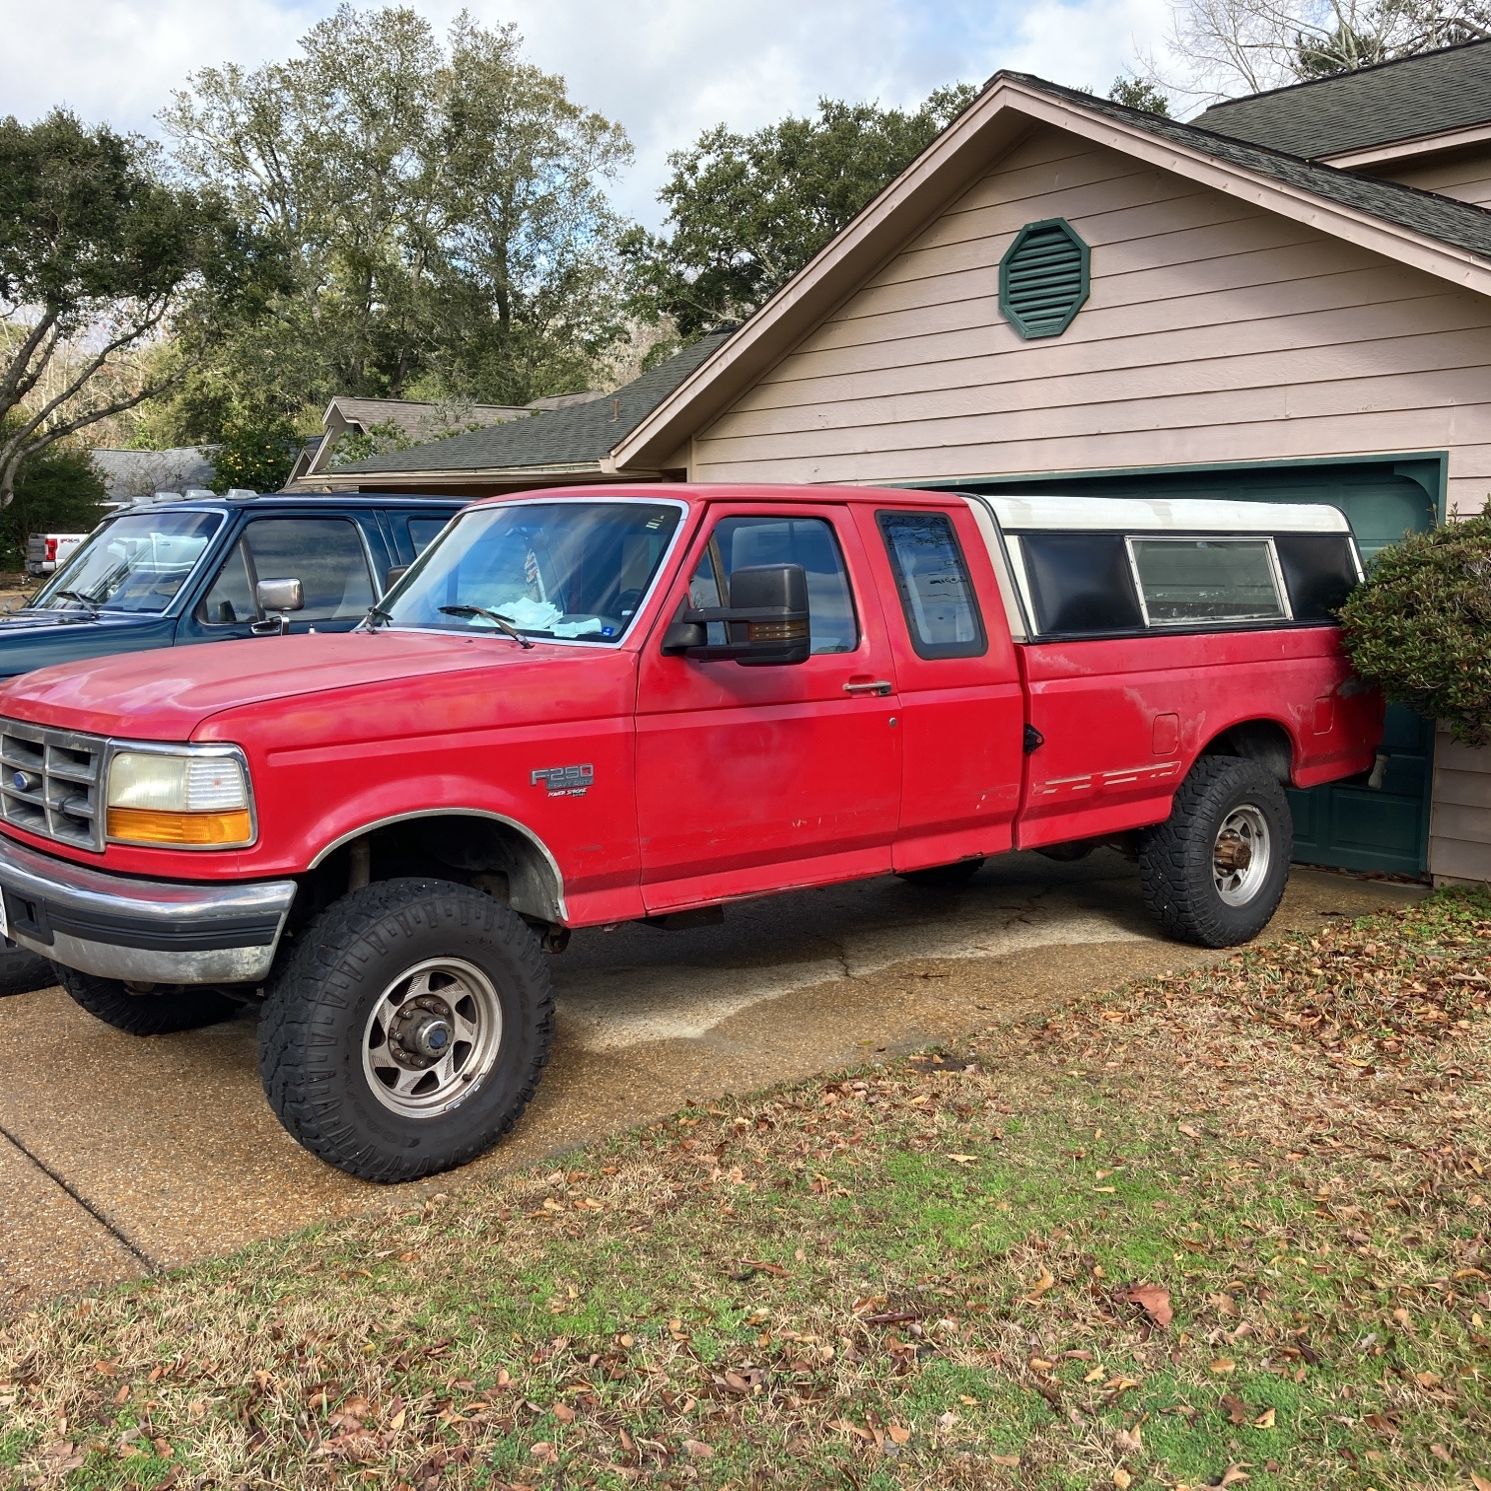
x=1043 y=278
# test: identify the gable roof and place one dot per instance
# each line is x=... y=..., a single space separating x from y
x=574 y=436
x=1433 y=93
x=1438 y=235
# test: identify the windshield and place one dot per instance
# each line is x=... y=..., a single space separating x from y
x=550 y=569
x=135 y=563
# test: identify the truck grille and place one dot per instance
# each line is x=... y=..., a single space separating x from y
x=50 y=783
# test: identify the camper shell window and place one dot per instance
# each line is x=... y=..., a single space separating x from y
x=1092 y=584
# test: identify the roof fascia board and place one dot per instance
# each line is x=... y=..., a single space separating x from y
x=751 y=348
x=1395 y=150
x=464 y=473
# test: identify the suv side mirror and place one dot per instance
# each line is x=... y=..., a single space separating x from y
x=275 y=600
x=766 y=621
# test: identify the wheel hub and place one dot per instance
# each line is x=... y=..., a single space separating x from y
x=1233 y=852
x=1241 y=855
x=432 y=1035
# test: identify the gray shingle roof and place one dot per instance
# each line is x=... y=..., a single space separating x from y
x=570 y=436
x=1424 y=95
x=1457 y=224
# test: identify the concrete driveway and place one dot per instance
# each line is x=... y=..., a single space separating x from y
x=121 y=1156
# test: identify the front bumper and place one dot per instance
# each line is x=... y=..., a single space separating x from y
x=141 y=931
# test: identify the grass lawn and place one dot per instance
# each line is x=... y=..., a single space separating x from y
x=1227 y=1228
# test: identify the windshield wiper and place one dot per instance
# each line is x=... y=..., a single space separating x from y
x=77 y=595
x=377 y=616
x=503 y=623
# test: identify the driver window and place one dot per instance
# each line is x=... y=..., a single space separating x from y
x=325 y=554
x=740 y=543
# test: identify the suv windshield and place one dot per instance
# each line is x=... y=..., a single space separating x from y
x=135 y=563
x=550 y=569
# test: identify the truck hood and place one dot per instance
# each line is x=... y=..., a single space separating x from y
x=167 y=695
x=38 y=639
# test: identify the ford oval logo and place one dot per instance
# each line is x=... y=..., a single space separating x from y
x=21 y=782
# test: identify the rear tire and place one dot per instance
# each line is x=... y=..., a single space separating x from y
x=407 y=1030
x=1214 y=872
x=944 y=877
x=161 y=1011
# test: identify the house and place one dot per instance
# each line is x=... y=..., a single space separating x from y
x=1289 y=299
x=131 y=474
x=570 y=440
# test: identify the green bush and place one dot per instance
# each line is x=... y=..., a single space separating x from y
x=1420 y=628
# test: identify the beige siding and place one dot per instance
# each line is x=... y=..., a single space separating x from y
x=1467 y=176
x=1460 y=823
x=1214 y=332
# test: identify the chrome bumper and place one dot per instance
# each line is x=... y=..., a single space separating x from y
x=142 y=931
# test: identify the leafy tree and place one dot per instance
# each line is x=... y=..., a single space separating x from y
x=57 y=490
x=1139 y=93
x=98 y=258
x=747 y=211
x=443 y=203
x=255 y=452
x=1228 y=47
x=1418 y=628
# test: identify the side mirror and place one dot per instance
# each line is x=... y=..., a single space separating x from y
x=766 y=622
x=393 y=577
x=275 y=600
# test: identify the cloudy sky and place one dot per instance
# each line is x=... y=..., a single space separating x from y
x=665 y=69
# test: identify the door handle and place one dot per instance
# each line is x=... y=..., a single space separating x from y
x=881 y=686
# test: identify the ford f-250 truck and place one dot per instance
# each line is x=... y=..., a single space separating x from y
x=588 y=706
x=164 y=574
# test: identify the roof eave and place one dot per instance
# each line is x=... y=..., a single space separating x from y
x=1419 y=145
x=1006 y=109
x=463 y=473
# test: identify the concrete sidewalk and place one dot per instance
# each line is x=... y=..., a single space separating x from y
x=121 y=1156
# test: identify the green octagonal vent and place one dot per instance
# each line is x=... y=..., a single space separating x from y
x=1043 y=278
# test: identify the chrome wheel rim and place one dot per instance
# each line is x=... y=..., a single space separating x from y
x=1241 y=856
x=431 y=1037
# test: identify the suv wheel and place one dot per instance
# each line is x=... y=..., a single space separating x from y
x=407 y=1030
x=156 y=1009
x=1214 y=872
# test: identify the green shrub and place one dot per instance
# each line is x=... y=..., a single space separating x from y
x=1420 y=628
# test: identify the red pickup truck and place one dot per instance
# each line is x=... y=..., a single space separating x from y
x=583 y=707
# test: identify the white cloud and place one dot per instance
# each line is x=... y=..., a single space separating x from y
x=666 y=70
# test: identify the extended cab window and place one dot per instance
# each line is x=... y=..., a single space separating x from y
x=1190 y=580
x=932 y=579
x=742 y=543
x=326 y=555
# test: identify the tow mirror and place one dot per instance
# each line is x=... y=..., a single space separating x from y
x=766 y=622
x=275 y=600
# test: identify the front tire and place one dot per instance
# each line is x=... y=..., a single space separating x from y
x=23 y=972
x=155 y=1011
x=1214 y=872
x=407 y=1030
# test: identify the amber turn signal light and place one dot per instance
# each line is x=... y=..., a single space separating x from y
x=230 y=830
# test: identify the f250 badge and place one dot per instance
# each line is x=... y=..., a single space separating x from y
x=563 y=781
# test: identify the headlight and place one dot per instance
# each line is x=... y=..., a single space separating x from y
x=194 y=798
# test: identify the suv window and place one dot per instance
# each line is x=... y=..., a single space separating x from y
x=932 y=578
x=326 y=555
x=740 y=543
x=422 y=531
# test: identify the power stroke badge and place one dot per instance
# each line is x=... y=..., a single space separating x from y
x=563 y=781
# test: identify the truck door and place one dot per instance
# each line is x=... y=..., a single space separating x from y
x=754 y=779
x=962 y=709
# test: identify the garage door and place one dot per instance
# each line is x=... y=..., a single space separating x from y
x=1350 y=825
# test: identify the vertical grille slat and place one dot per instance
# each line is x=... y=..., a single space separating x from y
x=49 y=783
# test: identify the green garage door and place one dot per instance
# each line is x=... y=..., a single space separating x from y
x=1349 y=825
